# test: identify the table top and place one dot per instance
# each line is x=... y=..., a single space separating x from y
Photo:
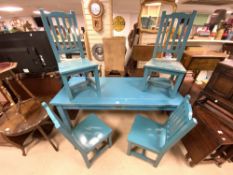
x=120 y=94
x=14 y=123
x=205 y=53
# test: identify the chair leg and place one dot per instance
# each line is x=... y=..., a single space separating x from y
x=47 y=137
x=158 y=159
x=87 y=162
x=66 y=86
x=129 y=148
x=97 y=81
x=110 y=141
x=178 y=82
x=21 y=147
x=145 y=79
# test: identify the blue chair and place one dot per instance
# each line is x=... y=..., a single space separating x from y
x=158 y=138
x=171 y=40
x=90 y=135
x=63 y=34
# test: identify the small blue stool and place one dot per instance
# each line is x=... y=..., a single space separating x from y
x=90 y=135
x=158 y=138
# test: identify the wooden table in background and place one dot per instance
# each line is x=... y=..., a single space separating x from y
x=197 y=61
x=21 y=120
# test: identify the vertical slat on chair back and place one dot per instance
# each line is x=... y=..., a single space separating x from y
x=60 y=125
x=173 y=34
x=180 y=122
x=62 y=31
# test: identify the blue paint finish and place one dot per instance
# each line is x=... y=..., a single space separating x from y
x=120 y=94
x=168 y=24
x=63 y=34
x=165 y=44
x=158 y=138
x=86 y=136
x=166 y=65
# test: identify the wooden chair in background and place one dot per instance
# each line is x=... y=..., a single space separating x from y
x=158 y=138
x=63 y=35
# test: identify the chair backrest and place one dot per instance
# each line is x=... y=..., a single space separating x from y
x=63 y=34
x=180 y=122
x=60 y=125
x=173 y=34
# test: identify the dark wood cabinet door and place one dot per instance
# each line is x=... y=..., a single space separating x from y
x=221 y=82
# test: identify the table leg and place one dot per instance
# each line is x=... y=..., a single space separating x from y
x=65 y=116
x=22 y=85
x=47 y=137
x=196 y=73
x=22 y=147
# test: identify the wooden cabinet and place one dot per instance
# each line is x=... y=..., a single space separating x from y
x=228 y=47
x=114 y=55
x=220 y=87
x=212 y=139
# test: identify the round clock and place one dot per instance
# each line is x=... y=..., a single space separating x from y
x=96 y=10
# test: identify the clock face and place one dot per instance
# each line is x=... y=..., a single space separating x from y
x=95 y=8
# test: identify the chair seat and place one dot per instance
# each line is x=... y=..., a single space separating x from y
x=73 y=65
x=166 y=65
x=147 y=134
x=90 y=132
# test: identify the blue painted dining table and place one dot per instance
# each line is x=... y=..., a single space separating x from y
x=117 y=93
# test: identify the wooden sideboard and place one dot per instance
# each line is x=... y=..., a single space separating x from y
x=197 y=61
x=220 y=86
x=212 y=139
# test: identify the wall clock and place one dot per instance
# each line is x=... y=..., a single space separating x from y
x=96 y=10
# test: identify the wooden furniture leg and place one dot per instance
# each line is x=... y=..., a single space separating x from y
x=40 y=129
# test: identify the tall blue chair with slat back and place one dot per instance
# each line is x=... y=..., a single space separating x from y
x=171 y=40
x=63 y=34
x=90 y=135
x=158 y=138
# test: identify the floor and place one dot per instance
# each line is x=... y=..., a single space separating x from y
x=42 y=159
